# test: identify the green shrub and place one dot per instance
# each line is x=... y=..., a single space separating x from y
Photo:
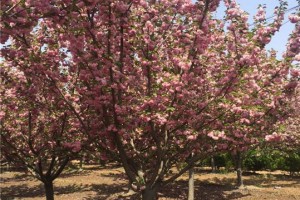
x=255 y=160
x=268 y=159
x=292 y=162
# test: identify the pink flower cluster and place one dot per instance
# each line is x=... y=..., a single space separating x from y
x=294 y=18
x=275 y=137
x=74 y=146
x=216 y=135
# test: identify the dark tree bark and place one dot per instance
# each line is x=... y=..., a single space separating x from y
x=150 y=193
x=50 y=176
x=48 y=185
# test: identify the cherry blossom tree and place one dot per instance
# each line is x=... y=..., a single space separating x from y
x=131 y=63
x=265 y=91
x=148 y=81
x=36 y=129
x=287 y=136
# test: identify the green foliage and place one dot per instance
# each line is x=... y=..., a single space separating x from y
x=256 y=160
x=292 y=162
x=223 y=160
x=268 y=159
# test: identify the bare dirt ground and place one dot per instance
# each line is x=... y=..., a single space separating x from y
x=96 y=183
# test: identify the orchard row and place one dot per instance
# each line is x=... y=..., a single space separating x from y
x=149 y=84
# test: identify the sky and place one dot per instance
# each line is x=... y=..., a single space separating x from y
x=280 y=39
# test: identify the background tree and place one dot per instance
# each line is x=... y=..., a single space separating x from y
x=36 y=129
x=288 y=131
x=262 y=95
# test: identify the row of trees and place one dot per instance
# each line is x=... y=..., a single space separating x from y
x=150 y=84
x=266 y=158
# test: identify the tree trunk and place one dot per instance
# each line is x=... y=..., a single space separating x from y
x=213 y=165
x=102 y=163
x=239 y=169
x=49 y=190
x=191 y=184
x=150 y=193
x=81 y=163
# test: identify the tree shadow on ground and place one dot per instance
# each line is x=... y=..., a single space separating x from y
x=111 y=192
x=260 y=180
x=74 y=172
x=268 y=180
x=176 y=190
x=20 y=177
x=285 y=177
x=38 y=191
x=115 y=176
x=21 y=191
x=203 y=191
x=71 y=189
x=11 y=168
x=98 y=166
x=213 y=189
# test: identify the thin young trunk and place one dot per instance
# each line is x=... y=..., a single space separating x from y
x=7 y=167
x=81 y=163
x=48 y=185
x=239 y=169
x=213 y=165
x=191 y=184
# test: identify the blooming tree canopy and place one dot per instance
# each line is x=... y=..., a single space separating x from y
x=149 y=81
x=37 y=132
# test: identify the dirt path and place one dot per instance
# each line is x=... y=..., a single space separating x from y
x=95 y=183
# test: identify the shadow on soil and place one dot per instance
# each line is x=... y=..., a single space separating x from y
x=212 y=189
x=260 y=180
x=203 y=191
x=103 y=191
x=23 y=190
x=177 y=190
x=74 y=172
x=95 y=166
x=21 y=177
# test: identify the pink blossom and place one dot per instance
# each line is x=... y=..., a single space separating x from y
x=74 y=146
x=222 y=146
x=2 y=114
x=273 y=138
x=294 y=18
x=216 y=134
x=191 y=137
